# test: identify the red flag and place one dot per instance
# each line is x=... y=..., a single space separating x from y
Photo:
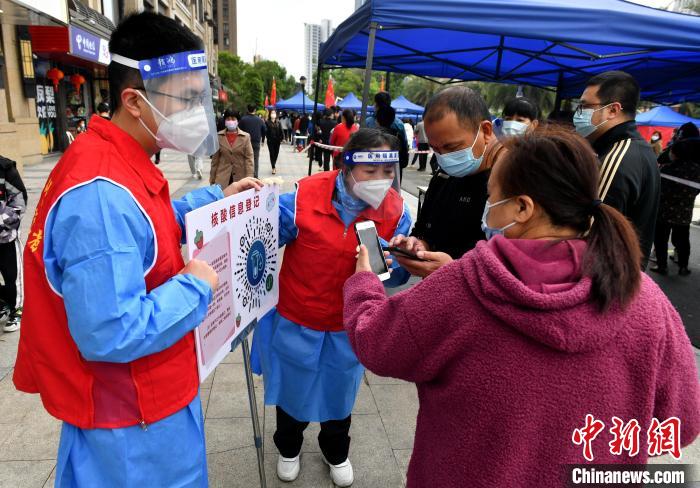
x=273 y=95
x=267 y=101
x=330 y=95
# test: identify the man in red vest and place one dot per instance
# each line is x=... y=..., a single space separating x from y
x=110 y=305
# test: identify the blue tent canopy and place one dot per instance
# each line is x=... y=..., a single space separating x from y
x=547 y=43
x=402 y=105
x=351 y=101
x=664 y=117
x=297 y=103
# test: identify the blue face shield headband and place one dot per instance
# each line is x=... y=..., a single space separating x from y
x=370 y=157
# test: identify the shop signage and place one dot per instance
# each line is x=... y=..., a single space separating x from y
x=88 y=46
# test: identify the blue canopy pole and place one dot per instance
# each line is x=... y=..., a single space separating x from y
x=368 y=71
x=557 y=97
x=319 y=71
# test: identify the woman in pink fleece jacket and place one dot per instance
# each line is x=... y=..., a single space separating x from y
x=513 y=345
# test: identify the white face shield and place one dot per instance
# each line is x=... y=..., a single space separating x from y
x=177 y=89
x=373 y=174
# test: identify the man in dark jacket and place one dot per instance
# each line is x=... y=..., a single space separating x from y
x=449 y=224
x=13 y=203
x=327 y=124
x=629 y=175
x=255 y=127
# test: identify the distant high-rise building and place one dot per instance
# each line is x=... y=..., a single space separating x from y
x=226 y=21
x=314 y=35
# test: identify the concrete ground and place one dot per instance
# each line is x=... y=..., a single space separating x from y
x=383 y=418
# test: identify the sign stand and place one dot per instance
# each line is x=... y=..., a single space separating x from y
x=257 y=434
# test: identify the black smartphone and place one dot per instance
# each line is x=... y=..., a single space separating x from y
x=402 y=252
x=367 y=234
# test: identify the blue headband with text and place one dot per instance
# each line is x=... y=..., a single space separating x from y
x=371 y=157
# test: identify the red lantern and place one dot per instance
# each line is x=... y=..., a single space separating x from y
x=55 y=75
x=77 y=80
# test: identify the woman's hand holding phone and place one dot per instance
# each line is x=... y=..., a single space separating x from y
x=363 y=260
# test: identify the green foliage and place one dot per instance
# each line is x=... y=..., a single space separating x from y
x=250 y=83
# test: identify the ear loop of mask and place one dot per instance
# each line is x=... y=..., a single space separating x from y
x=155 y=137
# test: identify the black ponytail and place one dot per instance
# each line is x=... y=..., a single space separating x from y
x=559 y=171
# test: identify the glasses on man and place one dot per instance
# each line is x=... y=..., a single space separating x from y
x=583 y=106
x=192 y=101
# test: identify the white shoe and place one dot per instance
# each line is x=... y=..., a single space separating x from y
x=194 y=175
x=199 y=174
x=341 y=474
x=288 y=468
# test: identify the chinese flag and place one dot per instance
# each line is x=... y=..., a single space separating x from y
x=267 y=101
x=330 y=95
x=273 y=94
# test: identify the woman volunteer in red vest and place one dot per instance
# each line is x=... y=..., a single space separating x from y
x=310 y=371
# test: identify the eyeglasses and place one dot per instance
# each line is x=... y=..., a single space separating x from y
x=189 y=102
x=583 y=106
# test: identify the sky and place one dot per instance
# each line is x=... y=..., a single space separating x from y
x=278 y=26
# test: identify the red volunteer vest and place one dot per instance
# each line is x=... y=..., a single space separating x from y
x=322 y=257
x=90 y=394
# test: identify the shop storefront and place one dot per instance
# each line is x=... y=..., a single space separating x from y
x=71 y=72
x=19 y=127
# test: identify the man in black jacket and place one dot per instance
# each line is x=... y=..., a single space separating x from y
x=629 y=175
x=255 y=127
x=456 y=120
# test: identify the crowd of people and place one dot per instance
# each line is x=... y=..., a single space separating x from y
x=533 y=310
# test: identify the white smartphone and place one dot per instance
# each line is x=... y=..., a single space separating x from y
x=367 y=235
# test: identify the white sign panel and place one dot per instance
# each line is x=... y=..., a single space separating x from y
x=238 y=237
x=58 y=9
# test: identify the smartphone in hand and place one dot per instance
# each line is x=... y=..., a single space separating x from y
x=402 y=252
x=367 y=235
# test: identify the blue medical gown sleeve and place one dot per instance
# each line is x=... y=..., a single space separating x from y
x=97 y=249
x=399 y=275
x=193 y=200
x=287 y=227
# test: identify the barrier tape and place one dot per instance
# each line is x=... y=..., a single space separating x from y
x=339 y=148
x=691 y=184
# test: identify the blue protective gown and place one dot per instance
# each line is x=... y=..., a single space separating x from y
x=102 y=254
x=313 y=375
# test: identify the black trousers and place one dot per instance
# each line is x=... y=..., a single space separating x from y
x=274 y=148
x=422 y=158
x=9 y=267
x=327 y=161
x=334 y=438
x=256 y=158
x=434 y=164
x=680 y=238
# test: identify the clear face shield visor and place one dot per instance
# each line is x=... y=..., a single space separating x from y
x=372 y=176
x=177 y=89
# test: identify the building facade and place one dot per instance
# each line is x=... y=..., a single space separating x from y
x=226 y=19
x=19 y=125
x=314 y=35
x=53 y=65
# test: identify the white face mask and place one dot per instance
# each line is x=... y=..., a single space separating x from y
x=371 y=191
x=514 y=128
x=183 y=131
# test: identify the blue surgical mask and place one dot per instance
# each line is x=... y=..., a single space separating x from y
x=492 y=231
x=460 y=163
x=583 y=121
